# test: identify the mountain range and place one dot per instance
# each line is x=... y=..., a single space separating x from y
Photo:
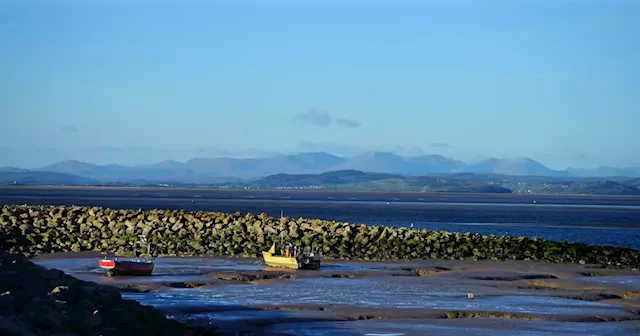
x=218 y=170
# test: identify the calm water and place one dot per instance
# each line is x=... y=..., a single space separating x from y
x=601 y=224
x=627 y=237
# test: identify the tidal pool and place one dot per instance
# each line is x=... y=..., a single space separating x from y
x=376 y=292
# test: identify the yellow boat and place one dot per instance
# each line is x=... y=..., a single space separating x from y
x=288 y=256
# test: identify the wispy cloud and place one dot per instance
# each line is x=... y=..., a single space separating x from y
x=69 y=129
x=315 y=117
x=347 y=122
x=318 y=117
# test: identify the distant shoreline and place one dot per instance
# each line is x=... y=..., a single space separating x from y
x=404 y=196
x=337 y=181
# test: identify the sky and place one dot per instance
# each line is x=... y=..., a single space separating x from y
x=135 y=82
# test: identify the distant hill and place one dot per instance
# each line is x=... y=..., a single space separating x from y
x=520 y=166
x=208 y=171
x=355 y=180
x=634 y=183
x=379 y=162
x=605 y=188
x=69 y=167
x=42 y=178
x=487 y=183
x=333 y=178
x=259 y=167
x=438 y=164
x=162 y=173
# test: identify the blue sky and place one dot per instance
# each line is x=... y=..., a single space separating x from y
x=142 y=81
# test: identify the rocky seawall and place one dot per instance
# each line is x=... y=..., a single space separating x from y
x=38 y=301
x=45 y=229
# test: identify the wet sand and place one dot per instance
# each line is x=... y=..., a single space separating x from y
x=403 y=298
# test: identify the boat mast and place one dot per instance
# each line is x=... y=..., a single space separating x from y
x=281 y=227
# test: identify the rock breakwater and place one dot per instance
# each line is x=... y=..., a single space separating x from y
x=45 y=229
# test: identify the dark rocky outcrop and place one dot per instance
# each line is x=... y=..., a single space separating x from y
x=38 y=301
x=45 y=229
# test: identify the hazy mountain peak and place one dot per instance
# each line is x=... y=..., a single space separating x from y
x=166 y=164
x=512 y=166
x=68 y=167
x=315 y=159
x=436 y=163
x=386 y=162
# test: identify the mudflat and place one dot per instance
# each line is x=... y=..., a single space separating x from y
x=401 y=298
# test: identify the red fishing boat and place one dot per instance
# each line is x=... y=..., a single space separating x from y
x=133 y=266
x=128 y=266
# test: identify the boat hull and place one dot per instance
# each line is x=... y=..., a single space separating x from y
x=280 y=262
x=126 y=267
x=290 y=263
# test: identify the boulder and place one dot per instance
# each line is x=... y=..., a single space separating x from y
x=37 y=301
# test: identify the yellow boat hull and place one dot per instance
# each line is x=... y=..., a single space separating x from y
x=280 y=262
